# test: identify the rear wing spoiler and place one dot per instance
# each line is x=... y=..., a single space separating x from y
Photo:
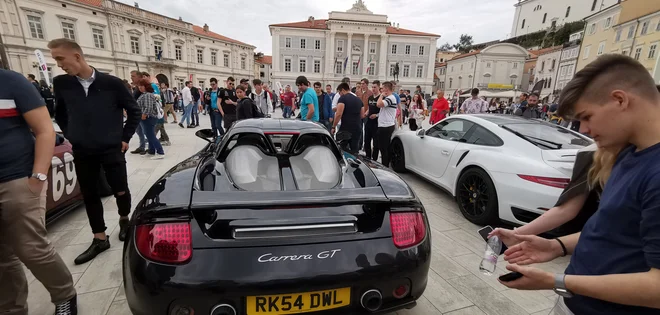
x=251 y=199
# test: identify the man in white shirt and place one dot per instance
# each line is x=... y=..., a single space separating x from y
x=474 y=105
x=187 y=103
x=386 y=121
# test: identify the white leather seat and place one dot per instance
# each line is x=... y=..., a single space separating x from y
x=252 y=170
x=316 y=168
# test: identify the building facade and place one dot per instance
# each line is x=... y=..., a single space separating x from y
x=497 y=67
x=547 y=66
x=637 y=33
x=440 y=75
x=537 y=15
x=443 y=56
x=117 y=38
x=599 y=35
x=568 y=60
x=263 y=68
x=356 y=44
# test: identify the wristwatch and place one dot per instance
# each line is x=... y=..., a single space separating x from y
x=39 y=176
x=560 y=286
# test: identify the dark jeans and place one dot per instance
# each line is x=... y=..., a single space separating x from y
x=286 y=112
x=353 y=143
x=216 y=121
x=370 y=131
x=195 y=114
x=228 y=120
x=88 y=170
x=160 y=127
x=413 y=124
x=141 y=137
x=149 y=129
x=361 y=134
x=384 y=137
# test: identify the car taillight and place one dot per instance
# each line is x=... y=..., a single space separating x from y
x=548 y=181
x=408 y=228
x=169 y=243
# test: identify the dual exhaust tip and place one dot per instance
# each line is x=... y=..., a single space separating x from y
x=223 y=309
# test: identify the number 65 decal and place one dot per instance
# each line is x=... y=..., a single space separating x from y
x=63 y=176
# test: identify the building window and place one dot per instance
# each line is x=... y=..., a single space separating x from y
x=200 y=83
x=225 y=60
x=372 y=69
x=135 y=45
x=261 y=74
x=287 y=42
x=287 y=65
x=393 y=49
x=200 y=55
x=178 y=52
x=214 y=58
x=568 y=11
x=392 y=68
x=372 y=47
x=99 y=41
x=515 y=65
x=420 y=71
x=471 y=65
x=302 y=65
x=451 y=81
x=421 y=50
x=338 y=67
x=592 y=29
x=542 y=66
x=158 y=47
x=317 y=66
x=68 y=31
x=618 y=35
x=545 y=16
x=406 y=71
x=523 y=26
x=593 y=6
x=243 y=63
x=488 y=65
x=461 y=67
x=36 y=26
x=586 y=52
x=652 y=51
x=340 y=46
x=407 y=50
x=638 y=52
x=645 y=28
x=303 y=43
x=355 y=68
x=317 y=44
x=601 y=48
x=631 y=32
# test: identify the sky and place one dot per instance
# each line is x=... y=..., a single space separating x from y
x=248 y=21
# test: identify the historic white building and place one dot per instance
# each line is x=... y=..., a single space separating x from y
x=537 y=15
x=547 y=67
x=356 y=44
x=117 y=38
x=496 y=67
x=568 y=60
x=263 y=67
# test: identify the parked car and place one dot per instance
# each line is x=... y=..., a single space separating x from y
x=273 y=219
x=63 y=189
x=498 y=167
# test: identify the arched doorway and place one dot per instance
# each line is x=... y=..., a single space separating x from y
x=162 y=79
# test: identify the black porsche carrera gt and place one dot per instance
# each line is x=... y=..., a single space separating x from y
x=273 y=219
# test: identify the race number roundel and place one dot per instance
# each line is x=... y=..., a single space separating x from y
x=63 y=176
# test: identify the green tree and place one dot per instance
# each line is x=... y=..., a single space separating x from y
x=445 y=47
x=464 y=43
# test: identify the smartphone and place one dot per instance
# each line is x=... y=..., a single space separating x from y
x=484 y=231
x=511 y=276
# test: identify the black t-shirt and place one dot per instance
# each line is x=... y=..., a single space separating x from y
x=245 y=109
x=373 y=109
x=321 y=113
x=351 y=119
x=227 y=94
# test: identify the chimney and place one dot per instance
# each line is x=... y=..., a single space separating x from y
x=180 y=19
x=137 y=5
x=311 y=19
x=206 y=28
x=397 y=26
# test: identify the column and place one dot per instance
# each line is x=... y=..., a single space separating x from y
x=276 y=51
x=383 y=71
x=365 y=55
x=431 y=64
x=349 y=50
x=330 y=53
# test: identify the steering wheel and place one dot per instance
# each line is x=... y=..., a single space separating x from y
x=452 y=134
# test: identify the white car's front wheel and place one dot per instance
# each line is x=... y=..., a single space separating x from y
x=476 y=197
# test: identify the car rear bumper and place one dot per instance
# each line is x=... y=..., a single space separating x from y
x=521 y=200
x=229 y=276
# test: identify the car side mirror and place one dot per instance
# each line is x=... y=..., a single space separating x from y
x=206 y=134
x=421 y=133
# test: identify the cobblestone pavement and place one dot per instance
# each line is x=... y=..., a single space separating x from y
x=455 y=285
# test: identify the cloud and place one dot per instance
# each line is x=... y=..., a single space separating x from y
x=248 y=21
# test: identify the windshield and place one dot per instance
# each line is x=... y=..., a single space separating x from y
x=549 y=137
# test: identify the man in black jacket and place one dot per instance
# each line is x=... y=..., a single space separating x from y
x=89 y=111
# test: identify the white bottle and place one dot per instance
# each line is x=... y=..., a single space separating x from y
x=489 y=262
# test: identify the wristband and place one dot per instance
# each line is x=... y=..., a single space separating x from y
x=563 y=247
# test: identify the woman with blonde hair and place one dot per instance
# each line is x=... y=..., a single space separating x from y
x=579 y=200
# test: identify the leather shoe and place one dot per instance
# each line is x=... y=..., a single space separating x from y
x=98 y=246
x=123 y=229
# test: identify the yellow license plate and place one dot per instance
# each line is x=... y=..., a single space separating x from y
x=298 y=302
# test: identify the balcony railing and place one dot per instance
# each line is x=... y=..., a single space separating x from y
x=162 y=61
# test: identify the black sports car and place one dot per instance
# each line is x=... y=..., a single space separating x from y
x=273 y=219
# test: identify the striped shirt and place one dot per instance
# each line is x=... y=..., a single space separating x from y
x=387 y=114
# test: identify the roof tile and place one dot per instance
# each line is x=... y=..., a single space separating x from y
x=265 y=60
x=322 y=25
x=200 y=31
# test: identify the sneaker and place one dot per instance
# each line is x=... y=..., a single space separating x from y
x=165 y=143
x=98 y=246
x=174 y=122
x=191 y=126
x=158 y=156
x=143 y=152
x=123 y=229
x=69 y=307
x=137 y=151
x=181 y=125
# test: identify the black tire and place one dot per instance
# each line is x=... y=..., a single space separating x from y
x=477 y=198
x=398 y=156
x=104 y=188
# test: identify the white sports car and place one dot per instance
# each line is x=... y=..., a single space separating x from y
x=498 y=167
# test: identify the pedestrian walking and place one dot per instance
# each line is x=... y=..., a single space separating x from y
x=326 y=114
x=440 y=108
x=168 y=97
x=386 y=121
x=288 y=99
x=89 y=111
x=188 y=104
x=371 y=127
x=228 y=103
x=28 y=140
x=349 y=112
x=136 y=76
x=474 y=105
x=150 y=109
x=309 y=102
x=214 y=108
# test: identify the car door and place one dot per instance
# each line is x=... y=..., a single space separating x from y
x=439 y=144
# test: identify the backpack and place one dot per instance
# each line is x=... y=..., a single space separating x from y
x=195 y=93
